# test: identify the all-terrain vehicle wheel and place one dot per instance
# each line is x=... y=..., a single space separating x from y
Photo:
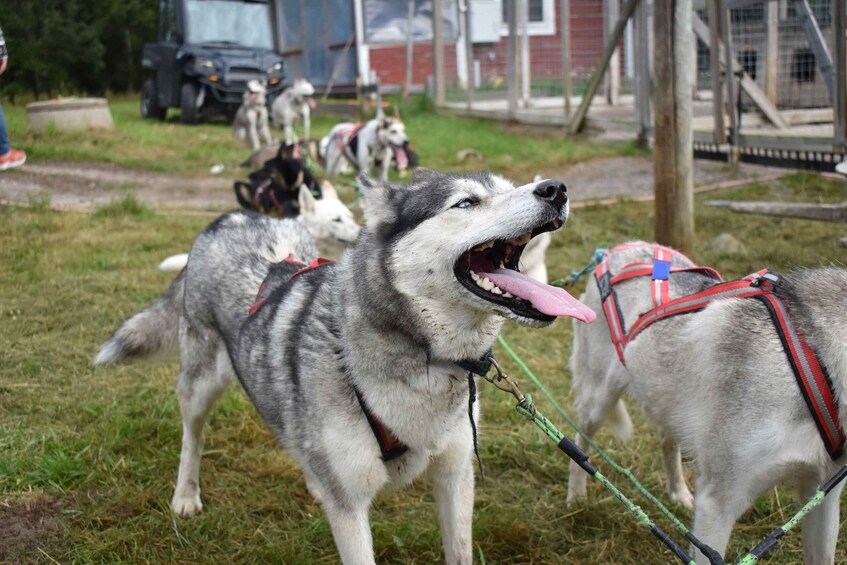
x=149 y=102
x=188 y=103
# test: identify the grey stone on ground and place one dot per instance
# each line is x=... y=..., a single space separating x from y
x=726 y=244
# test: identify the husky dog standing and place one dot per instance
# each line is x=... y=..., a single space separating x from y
x=327 y=218
x=383 y=138
x=294 y=104
x=354 y=365
x=251 y=119
x=718 y=383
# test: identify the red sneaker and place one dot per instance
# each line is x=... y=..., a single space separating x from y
x=13 y=158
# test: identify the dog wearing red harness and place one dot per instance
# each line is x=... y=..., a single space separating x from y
x=747 y=377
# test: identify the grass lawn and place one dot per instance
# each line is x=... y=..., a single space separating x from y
x=190 y=150
x=88 y=456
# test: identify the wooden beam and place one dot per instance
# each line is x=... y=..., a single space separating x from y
x=839 y=21
x=822 y=212
x=643 y=79
x=410 y=46
x=673 y=142
x=816 y=41
x=438 y=53
x=613 y=74
x=565 y=32
x=771 y=51
x=471 y=84
x=718 y=108
x=748 y=85
x=600 y=69
x=523 y=23
x=512 y=57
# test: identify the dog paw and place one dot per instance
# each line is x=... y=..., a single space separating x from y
x=685 y=498
x=185 y=506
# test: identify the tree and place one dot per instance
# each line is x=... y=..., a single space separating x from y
x=75 y=46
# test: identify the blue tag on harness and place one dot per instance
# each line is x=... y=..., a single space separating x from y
x=661 y=270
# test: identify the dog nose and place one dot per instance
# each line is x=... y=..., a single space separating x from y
x=553 y=191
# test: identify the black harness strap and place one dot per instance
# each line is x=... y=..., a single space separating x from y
x=475 y=368
x=389 y=446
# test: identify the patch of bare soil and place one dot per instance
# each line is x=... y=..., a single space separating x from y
x=632 y=177
x=26 y=527
x=81 y=185
x=86 y=185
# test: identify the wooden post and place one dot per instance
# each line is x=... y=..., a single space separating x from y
x=565 y=28
x=466 y=10
x=597 y=74
x=643 y=78
x=718 y=110
x=523 y=15
x=512 y=57
x=673 y=145
x=410 y=46
x=839 y=22
x=613 y=74
x=731 y=102
x=771 y=50
x=438 y=53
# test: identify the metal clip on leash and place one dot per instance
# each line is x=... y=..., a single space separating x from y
x=503 y=382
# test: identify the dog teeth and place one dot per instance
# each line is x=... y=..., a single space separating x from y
x=522 y=240
x=486 y=284
x=508 y=295
x=484 y=246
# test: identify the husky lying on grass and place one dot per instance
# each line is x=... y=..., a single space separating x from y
x=354 y=365
x=719 y=384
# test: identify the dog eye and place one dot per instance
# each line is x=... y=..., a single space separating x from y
x=338 y=219
x=466 y=203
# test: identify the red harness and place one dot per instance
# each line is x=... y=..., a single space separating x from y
x=811 y=376
x=389 y=446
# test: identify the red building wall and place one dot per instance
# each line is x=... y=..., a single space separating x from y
x=586 y=42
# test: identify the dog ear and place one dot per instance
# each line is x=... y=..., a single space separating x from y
x=376 y=201
x=421 y=174
x=306 y=200
x=328 y=191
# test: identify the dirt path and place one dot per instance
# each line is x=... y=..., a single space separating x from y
x=83 y=185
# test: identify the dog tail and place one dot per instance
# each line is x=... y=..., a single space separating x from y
x=153 y=329
x=174 y=262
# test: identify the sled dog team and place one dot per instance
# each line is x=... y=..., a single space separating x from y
x=746 y=377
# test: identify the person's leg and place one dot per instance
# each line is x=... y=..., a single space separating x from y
x=4 y=135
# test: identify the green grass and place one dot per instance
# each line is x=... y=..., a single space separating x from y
x=97 y=448
x=191 y=150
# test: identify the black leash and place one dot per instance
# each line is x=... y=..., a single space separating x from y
x=476 y=368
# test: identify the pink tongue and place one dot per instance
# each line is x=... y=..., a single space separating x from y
x=311 y=102
x=547 y=299
x=402 y=158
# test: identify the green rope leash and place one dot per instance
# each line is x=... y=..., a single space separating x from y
x=602 y=453
x=528 y=410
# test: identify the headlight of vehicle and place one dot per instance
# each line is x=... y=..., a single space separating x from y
x=275 y=69
x=204 y=65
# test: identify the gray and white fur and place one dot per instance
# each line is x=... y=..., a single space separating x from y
x=381 y=137
x=718 y=384
x=294 y=104
x=390 y=318
x=251 y=119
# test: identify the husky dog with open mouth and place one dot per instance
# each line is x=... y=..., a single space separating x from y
x=360 y=367
x=383 y=139
x=294 y=104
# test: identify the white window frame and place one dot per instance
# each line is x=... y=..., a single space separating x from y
x=545 y=27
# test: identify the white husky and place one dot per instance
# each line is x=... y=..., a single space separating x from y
x=251 y=120
x=718 y=383
x=361 y=144
x=295 y=103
